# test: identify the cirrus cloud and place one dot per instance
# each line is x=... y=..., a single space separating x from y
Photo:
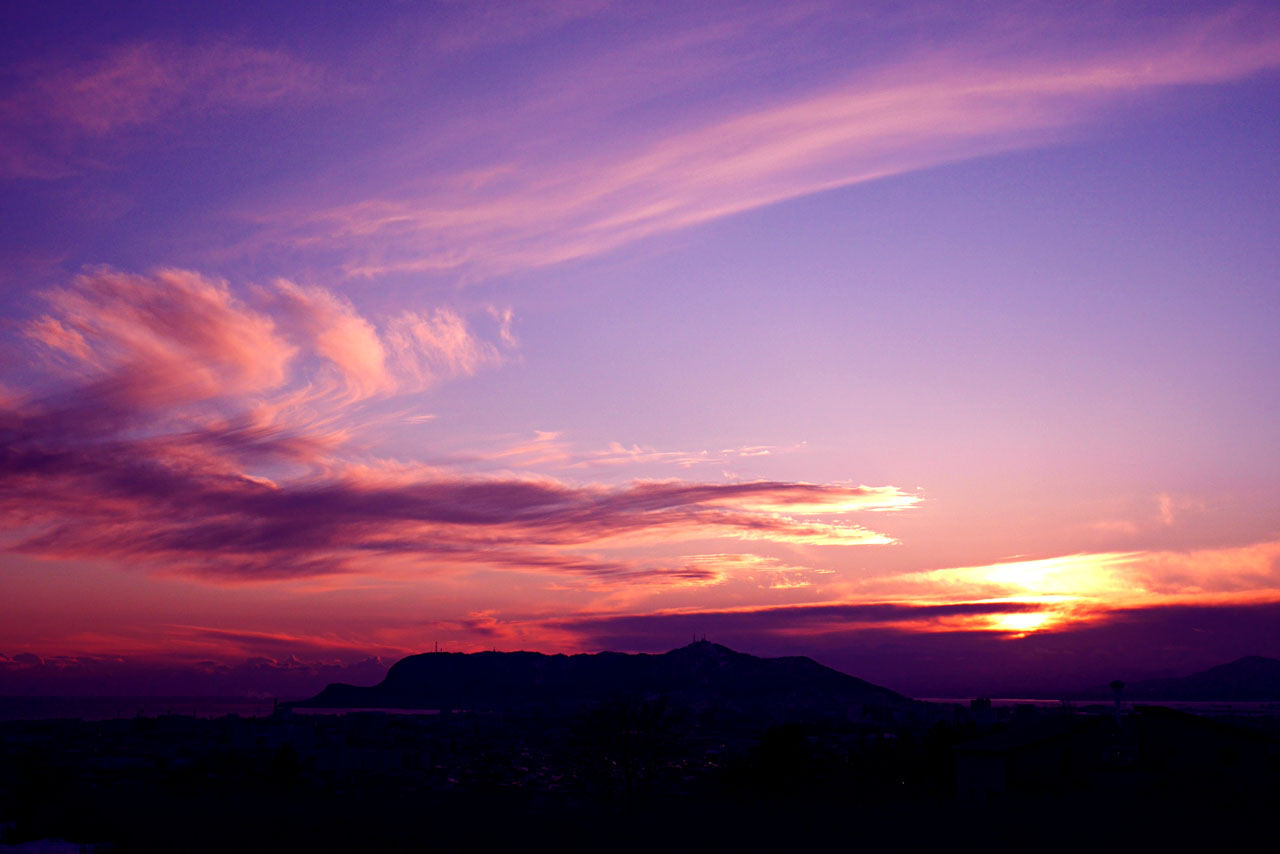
x=56 y=115
x=575 y=187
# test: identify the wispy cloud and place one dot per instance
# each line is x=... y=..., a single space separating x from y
x=766 y=572
x=176 y=337
x=617 y=454
x=545 y=204
x=553 y=449
x=191 y=430
x=55 y=116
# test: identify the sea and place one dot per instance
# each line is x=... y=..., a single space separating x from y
x=110 y=708
x=1269 y=708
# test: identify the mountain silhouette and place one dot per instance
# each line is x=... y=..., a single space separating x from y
x=702 y=674
x=1250 y=678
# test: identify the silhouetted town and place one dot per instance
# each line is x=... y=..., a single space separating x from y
x=700 y=747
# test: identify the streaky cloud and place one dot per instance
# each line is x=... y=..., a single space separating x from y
x=190 y=431
x=595 y=192
x=57 y=116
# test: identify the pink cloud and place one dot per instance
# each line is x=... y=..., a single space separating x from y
x=54 y=110
x=340 y=335
x=137 y=83
x=167 y=338
x=551 y=449
x=551 y=203
x=439 y=344
x=191 y=431
x=175 y=336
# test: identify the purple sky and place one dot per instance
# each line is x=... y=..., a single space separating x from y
x=936 y=341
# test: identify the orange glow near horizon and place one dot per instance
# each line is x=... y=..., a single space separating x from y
x=1021 y=623
x=572 y=327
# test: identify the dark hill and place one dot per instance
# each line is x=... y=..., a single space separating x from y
x=702 y=674
x=1250 y=678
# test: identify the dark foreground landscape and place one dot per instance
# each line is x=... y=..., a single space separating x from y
x=702 y=747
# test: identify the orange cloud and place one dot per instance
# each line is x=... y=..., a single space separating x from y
x=1080 y=587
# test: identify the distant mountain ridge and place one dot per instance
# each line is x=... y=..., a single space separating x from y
x=1252 y=678
x=701 y=673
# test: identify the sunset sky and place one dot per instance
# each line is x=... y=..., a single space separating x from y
x=936 y=341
